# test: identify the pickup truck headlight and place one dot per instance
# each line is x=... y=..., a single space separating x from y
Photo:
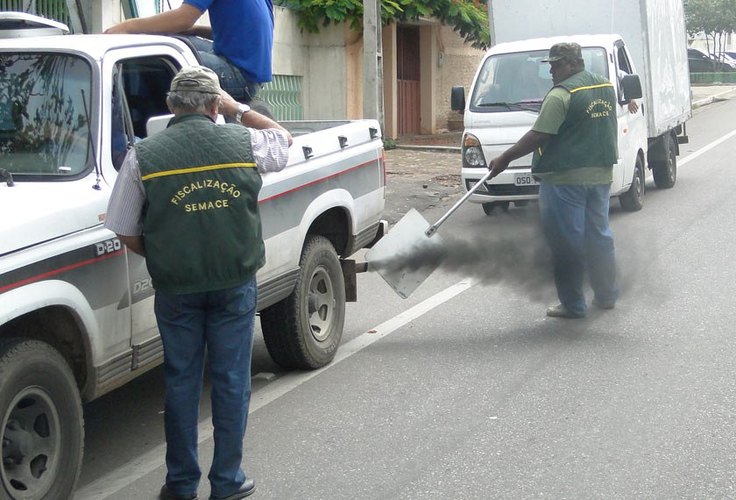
x=473 y=153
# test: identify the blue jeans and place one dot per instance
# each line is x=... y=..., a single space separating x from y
x=575 y=223
x=220 y=324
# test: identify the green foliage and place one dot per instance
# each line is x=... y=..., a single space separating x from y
x=389 y=144
x=468 y=17
x=716 y=18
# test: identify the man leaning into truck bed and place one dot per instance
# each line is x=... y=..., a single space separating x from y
x=187 y=199
x=574 y=141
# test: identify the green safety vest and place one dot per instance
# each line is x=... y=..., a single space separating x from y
x=201 y=226
x=588 y=136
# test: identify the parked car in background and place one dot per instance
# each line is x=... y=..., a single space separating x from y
x=700 y=62
x=726 y=58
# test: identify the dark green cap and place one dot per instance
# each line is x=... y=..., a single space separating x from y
x=570 y=51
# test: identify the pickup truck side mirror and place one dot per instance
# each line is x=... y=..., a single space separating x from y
x=457 y=99
x=631 y=86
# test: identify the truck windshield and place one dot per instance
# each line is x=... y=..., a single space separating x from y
x=519 y=81
x=44 y=129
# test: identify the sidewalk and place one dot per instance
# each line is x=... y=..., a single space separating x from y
x=449 y=142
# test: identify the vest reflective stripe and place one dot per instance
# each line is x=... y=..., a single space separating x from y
x=201 y=226
x=190 y=170
x=602 y=85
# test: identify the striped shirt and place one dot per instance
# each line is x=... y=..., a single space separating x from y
x=125 y=208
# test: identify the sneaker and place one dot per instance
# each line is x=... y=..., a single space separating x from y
x=560 y=311
x=603 y=305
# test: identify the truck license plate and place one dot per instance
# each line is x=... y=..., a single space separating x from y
x=524 y=180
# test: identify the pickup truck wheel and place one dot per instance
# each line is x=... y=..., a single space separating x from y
x=633 y=199
x=304 y=330
x=40 y=420
x=665 y=171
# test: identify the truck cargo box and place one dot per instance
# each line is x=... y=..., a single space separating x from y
x=654 y=31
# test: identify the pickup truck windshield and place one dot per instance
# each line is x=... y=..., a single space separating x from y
x=519 y=81
x=44 y=131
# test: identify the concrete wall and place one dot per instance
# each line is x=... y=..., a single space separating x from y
x=457 y=62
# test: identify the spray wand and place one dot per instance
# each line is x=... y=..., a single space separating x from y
x=433 y=228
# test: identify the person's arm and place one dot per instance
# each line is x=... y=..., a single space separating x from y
x=134 y=243
x=252 y=119
x=125 y=206
x=199 y=30
x=528 y=143
x=172 y=21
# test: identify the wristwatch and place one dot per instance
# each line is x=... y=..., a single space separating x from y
x=242 y=109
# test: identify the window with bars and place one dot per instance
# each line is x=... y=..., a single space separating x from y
x=56 y=10
x=283 y=95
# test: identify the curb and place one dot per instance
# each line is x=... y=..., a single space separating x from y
x=431 y=148
x=711 y=99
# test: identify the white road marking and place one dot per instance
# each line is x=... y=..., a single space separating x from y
x=706 y=148
x=108 y=485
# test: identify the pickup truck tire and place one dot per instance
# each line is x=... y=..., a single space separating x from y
x=633 y=199
x=40 y=420
x=304 y=330
x=665 y=171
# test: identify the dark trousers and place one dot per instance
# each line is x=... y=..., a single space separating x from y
x=218 y=324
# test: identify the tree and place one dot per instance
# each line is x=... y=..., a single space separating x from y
x=468 y=17
x=715 y=18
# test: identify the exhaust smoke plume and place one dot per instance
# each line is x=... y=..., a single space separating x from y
x=520 y=259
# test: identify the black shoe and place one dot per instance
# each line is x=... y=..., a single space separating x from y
x=245 y=490
x=560 y=311
x=166 y=494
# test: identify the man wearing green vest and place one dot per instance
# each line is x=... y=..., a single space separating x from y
x=574 y=141
x=187 y=199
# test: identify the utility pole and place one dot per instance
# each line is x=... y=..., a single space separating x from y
x=372 y=61
x=490 y=24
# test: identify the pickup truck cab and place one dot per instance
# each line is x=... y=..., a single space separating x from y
x=76 y=308
x=505 y=98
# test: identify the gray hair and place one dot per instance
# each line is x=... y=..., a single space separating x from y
x=185 y=101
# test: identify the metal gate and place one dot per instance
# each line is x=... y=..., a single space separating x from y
x=408 y=96
x=56 y=10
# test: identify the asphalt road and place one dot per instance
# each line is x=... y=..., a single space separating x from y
x=465 y=390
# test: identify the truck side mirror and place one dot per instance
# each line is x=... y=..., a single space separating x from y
x=457 y=99
x=631 y=86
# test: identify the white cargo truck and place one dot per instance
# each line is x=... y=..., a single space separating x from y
x=76 y=308
x=643 y=38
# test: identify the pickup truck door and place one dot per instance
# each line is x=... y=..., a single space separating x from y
x=140 y=78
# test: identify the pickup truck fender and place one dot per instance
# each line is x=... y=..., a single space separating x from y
x=336 y=198
x=42 y=296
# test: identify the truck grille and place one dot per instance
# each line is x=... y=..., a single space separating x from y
x=504 y=189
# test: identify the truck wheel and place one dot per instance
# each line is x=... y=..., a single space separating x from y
x=41 y=422
x=633 y=199
x=304 y=330
x=665 y=171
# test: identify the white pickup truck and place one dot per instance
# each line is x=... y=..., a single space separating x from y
x=76 y=318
